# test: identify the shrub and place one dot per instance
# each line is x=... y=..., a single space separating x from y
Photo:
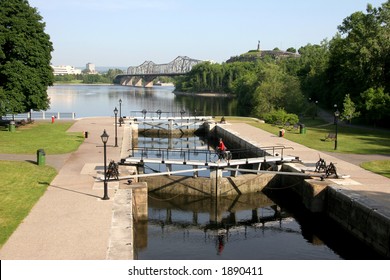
x=280 y=116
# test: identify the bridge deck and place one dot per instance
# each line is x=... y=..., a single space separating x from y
x=222 y=163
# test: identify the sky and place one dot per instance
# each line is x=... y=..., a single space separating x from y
x=124 y=33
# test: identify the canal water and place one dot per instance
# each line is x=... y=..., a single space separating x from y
x=267 y=225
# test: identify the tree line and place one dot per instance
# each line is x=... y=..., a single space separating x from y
x=352 y=71
x=85 y=78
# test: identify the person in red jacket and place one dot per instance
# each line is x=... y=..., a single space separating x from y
x=221 y=149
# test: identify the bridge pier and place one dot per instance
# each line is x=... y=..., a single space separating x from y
x=127 y=81
x=170 y=126
x=138 y=82
x=148 y=81
x=148 y=84
x=215 y=180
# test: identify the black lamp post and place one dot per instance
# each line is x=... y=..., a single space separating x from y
x=336 y=120
x=104 y=137
x=159 y=113
x=182 y=112
x=120 y=112
x=116 y=128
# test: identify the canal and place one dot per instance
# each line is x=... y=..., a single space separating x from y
x=267 y=225
x=271 y=225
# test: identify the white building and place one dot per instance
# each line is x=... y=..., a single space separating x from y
x=90 y=68
x=65 y=70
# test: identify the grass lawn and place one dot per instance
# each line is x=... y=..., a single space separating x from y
x=381 y=167
x=22 y=184
x=53 y=138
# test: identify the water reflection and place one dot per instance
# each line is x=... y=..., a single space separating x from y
x=241 y=227
x=100 y=100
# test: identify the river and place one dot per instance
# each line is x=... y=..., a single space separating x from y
x=100 y=100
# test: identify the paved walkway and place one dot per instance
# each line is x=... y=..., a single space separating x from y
x=70 y=221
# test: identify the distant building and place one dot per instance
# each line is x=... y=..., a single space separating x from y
x=255 y=55
x=65 y=70
x=90 y=68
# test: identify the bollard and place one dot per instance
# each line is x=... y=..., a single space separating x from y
x=41 y=157
x=11 y=126
x=302 y=128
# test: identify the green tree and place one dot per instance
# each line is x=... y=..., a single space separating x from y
x=359 y=54
x=292 y=50
x=313 y=64
x=244 y=88
x=349 y=111
x=112 y=73
x=276 y=90
x=25 y=54
x=377 y=105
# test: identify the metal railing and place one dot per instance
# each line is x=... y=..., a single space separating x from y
x=43 y=115
x=158 y=114
x=206 y=156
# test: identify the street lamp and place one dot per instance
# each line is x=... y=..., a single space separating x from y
x=159 y=113
x=336 y=120
x=182 y=112
x=116 y=128
x=104 y=137
x=144 y=112
x=120 y=113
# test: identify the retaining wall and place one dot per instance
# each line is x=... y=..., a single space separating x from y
x=359 y=215
x=201 y=186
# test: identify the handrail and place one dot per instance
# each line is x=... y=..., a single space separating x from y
x=186 y=154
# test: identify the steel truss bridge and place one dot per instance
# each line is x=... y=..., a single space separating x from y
x=144 y=74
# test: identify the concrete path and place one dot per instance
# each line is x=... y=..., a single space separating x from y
x=361 y=182
x=70 y=221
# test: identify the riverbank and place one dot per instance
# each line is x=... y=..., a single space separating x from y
x=80 y=83
x=203 y=94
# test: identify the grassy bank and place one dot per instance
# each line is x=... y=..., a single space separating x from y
x=381 y=167
x=53 y=138
x=22 y=184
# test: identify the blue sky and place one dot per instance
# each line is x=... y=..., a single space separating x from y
x=128 y=32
